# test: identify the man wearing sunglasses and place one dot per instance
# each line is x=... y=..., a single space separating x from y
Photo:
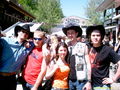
x=35 y=67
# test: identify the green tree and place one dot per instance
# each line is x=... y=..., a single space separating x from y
x=29 y=5
x=47 y=11
x=91 y=13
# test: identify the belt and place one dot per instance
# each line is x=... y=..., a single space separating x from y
x=7 y=74
x=74 y=80
x=82 y=81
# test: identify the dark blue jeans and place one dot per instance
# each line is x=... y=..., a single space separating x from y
x=76 y=85
x=8 y=82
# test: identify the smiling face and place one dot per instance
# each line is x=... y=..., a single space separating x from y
x=96 y=38
x=62 y=52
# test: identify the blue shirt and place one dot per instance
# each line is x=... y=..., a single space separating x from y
x=13 y=54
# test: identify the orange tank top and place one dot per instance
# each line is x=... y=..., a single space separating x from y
x=60 y=79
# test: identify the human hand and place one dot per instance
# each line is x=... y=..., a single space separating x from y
x=87 y=86
x=46 y=52
x=47 y=56
x=27 y=44
x=107 y=81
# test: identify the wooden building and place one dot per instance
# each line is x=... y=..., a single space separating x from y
x=11 y=12
x=111 y=10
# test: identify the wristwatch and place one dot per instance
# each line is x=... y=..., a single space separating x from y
x=89 y=80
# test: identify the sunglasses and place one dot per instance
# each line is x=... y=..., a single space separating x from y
x=38 y=39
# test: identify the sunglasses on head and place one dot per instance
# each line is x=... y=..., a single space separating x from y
x=38 y=39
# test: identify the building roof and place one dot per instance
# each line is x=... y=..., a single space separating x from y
x=20 y=9
x=108 y=4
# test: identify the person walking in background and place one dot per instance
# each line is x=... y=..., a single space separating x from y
x=80 y=67
x=101 y=56
x=117 y=45
x=35 y=67
x=13 y=56
x=106 y=40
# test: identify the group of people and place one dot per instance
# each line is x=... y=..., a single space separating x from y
x=72 y=66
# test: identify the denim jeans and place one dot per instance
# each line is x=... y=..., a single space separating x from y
x=103 y=87
x=76 y=85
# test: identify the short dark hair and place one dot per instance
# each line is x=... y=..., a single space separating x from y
x=100 y=28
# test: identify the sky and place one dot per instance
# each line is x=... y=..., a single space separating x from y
x=74 y=7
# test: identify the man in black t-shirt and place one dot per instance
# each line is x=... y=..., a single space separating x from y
x=101 y=56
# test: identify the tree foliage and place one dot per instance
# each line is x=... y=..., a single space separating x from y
x=29 y=5
x=91 y=13
x=47 y=11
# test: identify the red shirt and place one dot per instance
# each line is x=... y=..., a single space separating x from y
x=33 y=66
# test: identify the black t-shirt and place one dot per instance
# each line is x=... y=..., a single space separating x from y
x=105 y=55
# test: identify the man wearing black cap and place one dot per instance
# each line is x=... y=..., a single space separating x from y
x=13 y=57
x=80 y=67
x=101 y=56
